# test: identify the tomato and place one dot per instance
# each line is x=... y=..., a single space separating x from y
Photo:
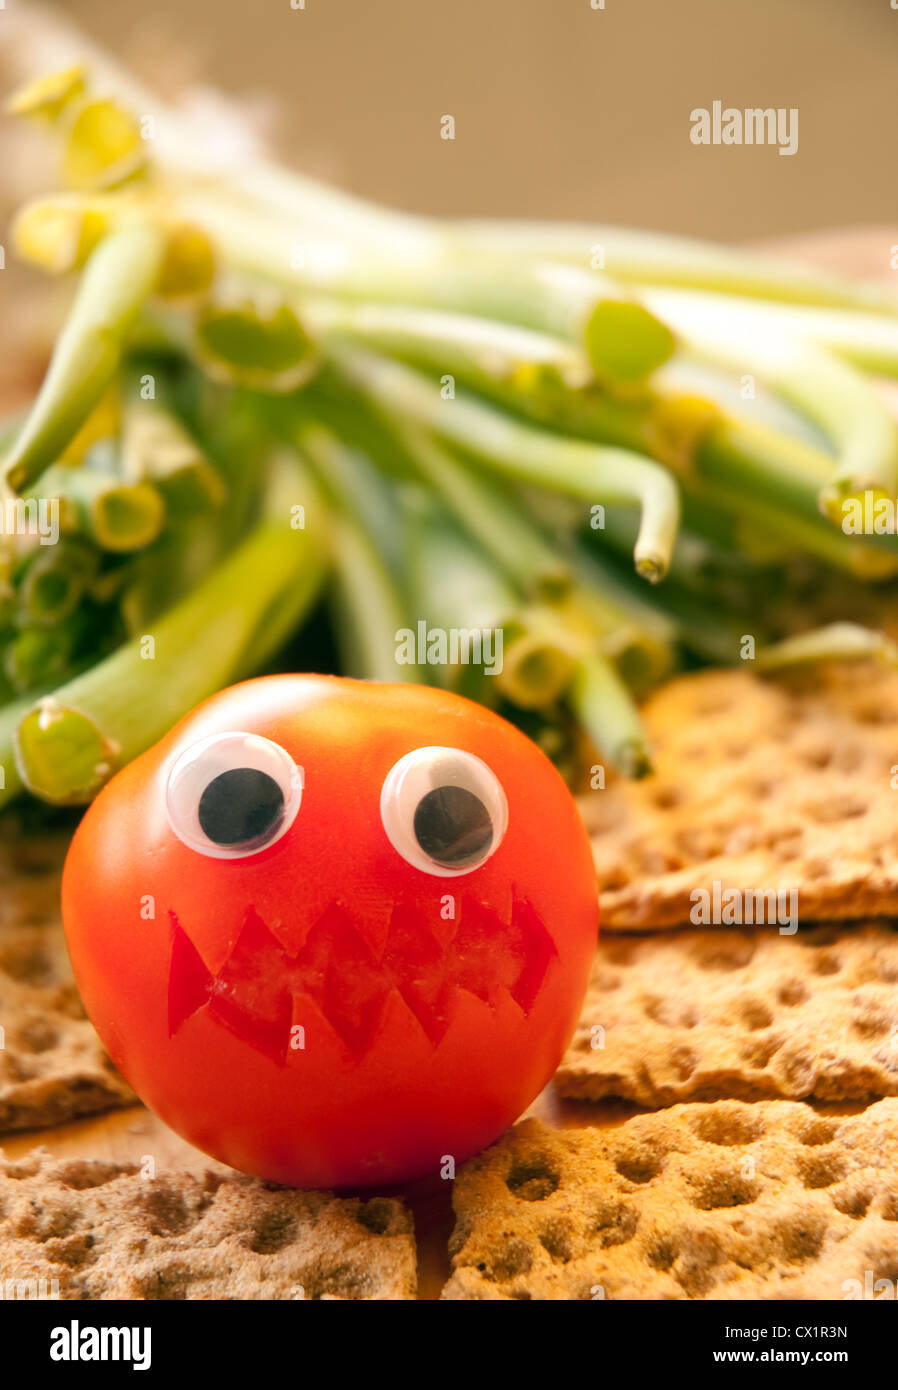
x=334 y=932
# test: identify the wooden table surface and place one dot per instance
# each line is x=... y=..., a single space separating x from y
x=127 y=1135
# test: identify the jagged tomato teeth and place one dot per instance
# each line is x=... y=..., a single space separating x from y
x=372 y=914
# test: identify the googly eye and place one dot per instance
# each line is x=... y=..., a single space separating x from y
x=443 y=810
x=232 y=795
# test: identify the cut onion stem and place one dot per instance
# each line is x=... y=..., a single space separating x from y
x=70 y=743
x=589 y=472
x=118 y=277
x=604 y=707
x=835 y=642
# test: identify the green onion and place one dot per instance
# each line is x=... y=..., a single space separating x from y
x=116 y=515
x=603 y=706
x=368 y=605
x=55 y=580
x=70 y=743
x=529 y=455
x=157 y=449
x=835 y=642
x=119 y=276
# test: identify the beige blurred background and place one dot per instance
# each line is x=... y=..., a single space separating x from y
x=561 y=110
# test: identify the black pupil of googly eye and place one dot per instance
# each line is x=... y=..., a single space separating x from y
x=453 y=826
x=240 y=806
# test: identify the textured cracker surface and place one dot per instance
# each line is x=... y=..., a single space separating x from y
x=104 y=1232
x=748 y=1014
x=52 y=1064
x=728 y=1201
x=761 y=785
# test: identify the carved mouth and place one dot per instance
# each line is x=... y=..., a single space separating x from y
x=257 y=993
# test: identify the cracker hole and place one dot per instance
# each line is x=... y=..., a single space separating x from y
x=556 y=1241
x=816 y=755
x=889 y=1207
x=870 y=1020
x=168 y=1283
x=791 y=993
x=275 y=1230
x=827 y=963
x=166 y=1211
x=662 y=1253
x=695 y=1266
x=684 y=1062
x=639 y=1165
x=38 y=1034
x=81 y=1174
x=670 y=1012
x=755 y=1014
x=614 y=1223
x=667 y=796
x=733 y=954
x=376 y=1215
x=343 y=1281
x=532 y=1178
x=874 y=713
x=835 y=808
x=510 y=1260
x=821 y=1170
x=728 y=1128
x=853 y=1201
x=801 y=1236
x=759 y=1052
x=818 y=1131
x=724 y=1189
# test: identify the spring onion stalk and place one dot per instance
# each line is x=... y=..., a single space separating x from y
x=772 y=485
x=368 y=606
x=492 y=517
x=622 y=339
x=604 y=708
x=452 y=583
x=674 y=427
x=116 y=515
x=694 y=621
x=157 y=449
x=835 y=642
x=830 y=392
x=519 y=451
x=38 y=655
x=537 y=663
x=256 y=343
x=70 y=743
x=654 y=258
x=459 y=591
x=476 y=348
x=368 y=616
x=630 y=632
x=118 y=277
x=55 y=580
x=58 y=233
x=870 y=341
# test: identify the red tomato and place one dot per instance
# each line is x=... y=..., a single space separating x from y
x=312 y=943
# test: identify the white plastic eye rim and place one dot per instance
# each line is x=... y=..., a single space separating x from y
x=202 y=762
x=423 y=770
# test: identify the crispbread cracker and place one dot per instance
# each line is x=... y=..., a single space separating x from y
x=52 y=1064
x=103 y=1231
x=739 y=1014
x=726 y=1201
x=760 y=785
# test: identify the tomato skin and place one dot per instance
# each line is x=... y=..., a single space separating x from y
x=375 y=1095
